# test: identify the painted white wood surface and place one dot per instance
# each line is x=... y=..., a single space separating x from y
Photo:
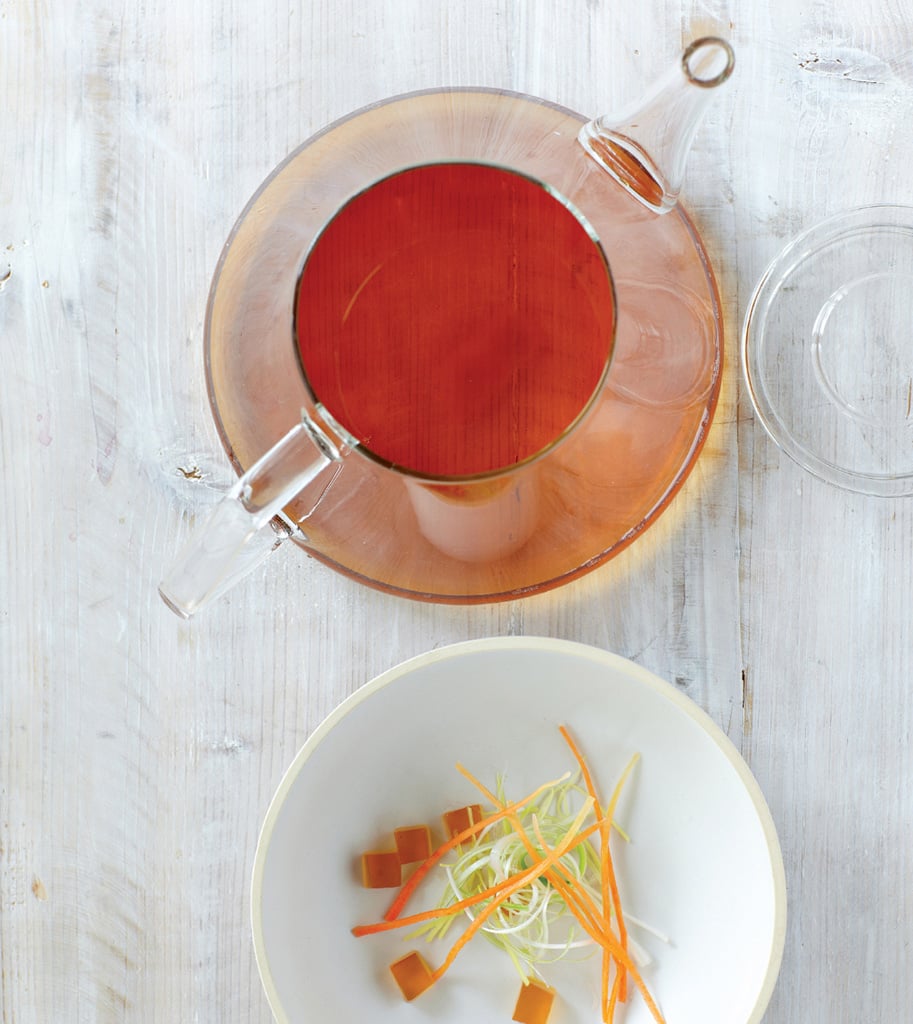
x=138 y=753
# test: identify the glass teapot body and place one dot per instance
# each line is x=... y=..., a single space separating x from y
x=455 y=350
x=557 y=515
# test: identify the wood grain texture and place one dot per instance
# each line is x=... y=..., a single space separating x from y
x=138 y=753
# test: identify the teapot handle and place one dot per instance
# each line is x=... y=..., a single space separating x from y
x=240 y=532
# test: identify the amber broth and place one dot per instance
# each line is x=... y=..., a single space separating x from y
x=455 y=318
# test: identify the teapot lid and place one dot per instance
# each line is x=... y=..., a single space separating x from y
x=826 y=350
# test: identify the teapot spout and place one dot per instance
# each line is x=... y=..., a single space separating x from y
x=645 y=146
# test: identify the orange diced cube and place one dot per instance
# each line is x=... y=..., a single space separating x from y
x=412 y=974
x=381 y=869
x=459 y=820
x=534 y=1003
x=413 y=842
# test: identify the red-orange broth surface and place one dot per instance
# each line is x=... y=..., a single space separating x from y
x=455 y=318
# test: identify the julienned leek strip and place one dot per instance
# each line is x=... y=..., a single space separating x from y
x=416 y=877
x=577 y=899
x=608 y=878
x=580 y=902
x=496 y=893
x=587 y=913
x=624 y=965
x=621 y=982
x=608 y=889
x=599 y=929
x=570 y=841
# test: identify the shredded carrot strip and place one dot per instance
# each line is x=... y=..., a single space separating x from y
x=517 y=825
x=596 y=925
x=610 y=868
x=606 y=872
x=546 y=862
x=608 y=876
x=587 y=913
x=613 y=997
x=597 y=921
x=497 y=892
x=415 y=879
x=514 y=820
x=578 y=756
x=579 y=901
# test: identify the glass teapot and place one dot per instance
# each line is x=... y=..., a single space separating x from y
x=455 y=350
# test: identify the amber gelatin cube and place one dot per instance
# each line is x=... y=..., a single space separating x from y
x=461 y=818
x=534 y=1003
x=381 y=869
x=412 y=974
x=413 y=842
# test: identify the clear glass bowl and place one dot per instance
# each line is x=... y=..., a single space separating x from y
x=827 y=352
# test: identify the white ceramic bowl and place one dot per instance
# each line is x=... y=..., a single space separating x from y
x=703 y=864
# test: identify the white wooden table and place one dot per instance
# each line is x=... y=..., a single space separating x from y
x=138 y=752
